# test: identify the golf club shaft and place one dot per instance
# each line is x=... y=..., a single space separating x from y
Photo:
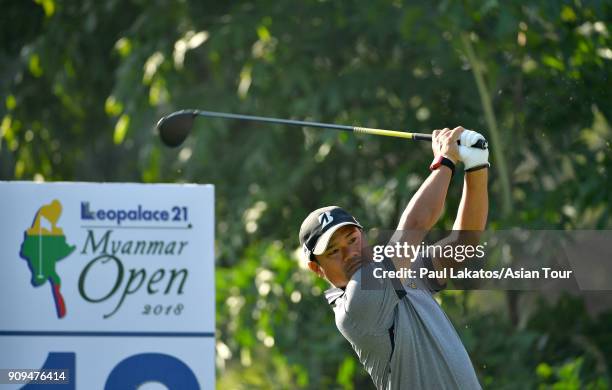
x=481 y=144
x=356 y=129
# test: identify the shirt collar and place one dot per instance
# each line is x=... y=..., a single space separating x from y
x=333 y=294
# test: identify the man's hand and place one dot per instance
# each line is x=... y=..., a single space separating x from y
x=473 y=158
x=444 y=143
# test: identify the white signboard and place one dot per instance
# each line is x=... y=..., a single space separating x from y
x=114 y=282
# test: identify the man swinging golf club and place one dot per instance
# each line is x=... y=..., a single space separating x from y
x=399 y=332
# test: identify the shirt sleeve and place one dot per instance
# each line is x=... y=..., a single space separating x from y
x=430 y=284
x=370 y=302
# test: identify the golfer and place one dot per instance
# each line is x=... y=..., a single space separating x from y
x=400 y=334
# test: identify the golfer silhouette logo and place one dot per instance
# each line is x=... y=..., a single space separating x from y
x=325 y=219
x=43 y=246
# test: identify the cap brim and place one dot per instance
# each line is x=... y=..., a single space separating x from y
x=323 y=241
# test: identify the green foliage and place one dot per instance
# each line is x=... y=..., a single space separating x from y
x=83 y=83
x=542 y=354
x=567 y=377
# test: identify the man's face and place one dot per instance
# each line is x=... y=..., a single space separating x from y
x=342 y=258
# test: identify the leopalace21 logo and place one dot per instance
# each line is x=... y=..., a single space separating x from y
x=44 y=245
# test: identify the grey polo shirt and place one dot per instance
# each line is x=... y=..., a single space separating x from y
x=403 y=342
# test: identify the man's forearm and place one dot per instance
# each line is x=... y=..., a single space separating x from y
x=426 y=205
x=474 y=205
x=471 y=218
x=422 y=212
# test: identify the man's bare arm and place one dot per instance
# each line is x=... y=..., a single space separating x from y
x=471 y=217
x=474 y=206
x=426 y=205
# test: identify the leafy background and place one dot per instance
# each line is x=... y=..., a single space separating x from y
x=84 y=82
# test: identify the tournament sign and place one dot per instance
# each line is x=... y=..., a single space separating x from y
x=107 y=285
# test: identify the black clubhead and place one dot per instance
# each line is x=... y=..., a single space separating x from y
x=174 y=128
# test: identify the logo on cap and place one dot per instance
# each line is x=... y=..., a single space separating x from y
x=325 y=219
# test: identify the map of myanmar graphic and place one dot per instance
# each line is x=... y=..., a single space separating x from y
x=44 y=244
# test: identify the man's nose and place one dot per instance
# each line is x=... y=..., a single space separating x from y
x=348 y=254
x=345 y=254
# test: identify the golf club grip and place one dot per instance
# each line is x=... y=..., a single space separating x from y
x=480 y=144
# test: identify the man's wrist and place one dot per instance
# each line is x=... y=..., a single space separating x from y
x=477 y=168
x=454 y=159
x=476 y=179
x=442 y=161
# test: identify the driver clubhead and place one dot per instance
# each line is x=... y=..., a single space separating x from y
x=174 y=128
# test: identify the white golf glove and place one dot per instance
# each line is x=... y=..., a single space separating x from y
x=473 y=158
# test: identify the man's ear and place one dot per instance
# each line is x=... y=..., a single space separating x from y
x=314 y=267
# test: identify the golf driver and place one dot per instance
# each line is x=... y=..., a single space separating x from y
x=174 y=128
